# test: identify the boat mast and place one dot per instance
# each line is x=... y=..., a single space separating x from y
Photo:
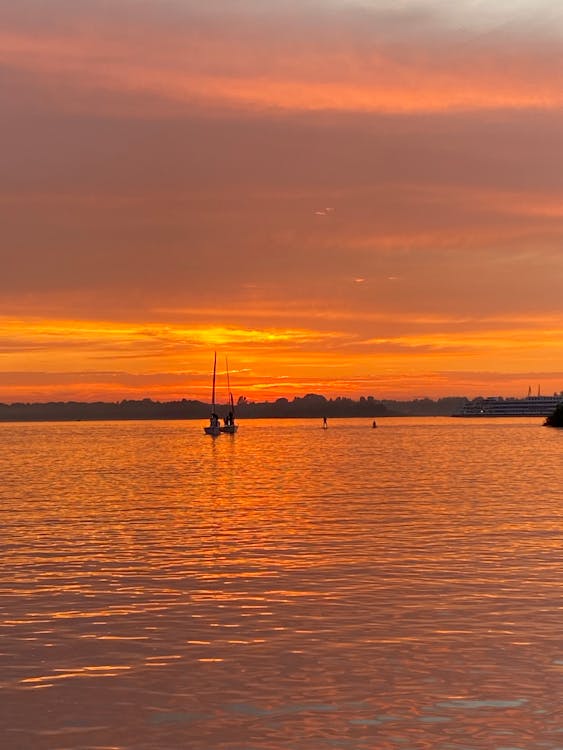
x=229 y=388
x=213 y=392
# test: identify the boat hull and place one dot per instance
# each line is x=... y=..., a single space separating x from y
x=230 y=429
x=214 y=431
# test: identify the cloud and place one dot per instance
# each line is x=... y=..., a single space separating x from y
x=354 y=59
x=178 y=176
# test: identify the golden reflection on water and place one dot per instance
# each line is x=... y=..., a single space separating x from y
x=289 y=587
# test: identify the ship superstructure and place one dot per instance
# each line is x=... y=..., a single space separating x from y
x=497 y=406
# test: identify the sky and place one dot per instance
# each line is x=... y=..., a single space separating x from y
x=345 y=197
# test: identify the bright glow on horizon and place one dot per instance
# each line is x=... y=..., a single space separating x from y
x=81 y=360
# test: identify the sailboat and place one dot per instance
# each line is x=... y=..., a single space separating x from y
x=214 y=426
x=230 y=426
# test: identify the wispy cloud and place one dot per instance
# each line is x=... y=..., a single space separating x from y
x=351 y=59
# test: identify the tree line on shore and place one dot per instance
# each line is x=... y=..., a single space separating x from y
x=310 y=406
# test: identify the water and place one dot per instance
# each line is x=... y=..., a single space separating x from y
x=285 y=588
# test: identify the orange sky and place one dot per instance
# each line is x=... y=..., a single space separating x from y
x=348 y=197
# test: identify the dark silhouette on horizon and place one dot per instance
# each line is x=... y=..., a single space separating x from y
x=301 y=407
x=556 y=418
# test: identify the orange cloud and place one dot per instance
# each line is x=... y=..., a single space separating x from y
x=184 y=210
x=259 y=65
x=60 y=359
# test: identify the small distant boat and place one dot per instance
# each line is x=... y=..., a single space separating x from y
x=230 y=426
x=214 y=428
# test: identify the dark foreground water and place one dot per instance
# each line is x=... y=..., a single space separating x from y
x=285 y=588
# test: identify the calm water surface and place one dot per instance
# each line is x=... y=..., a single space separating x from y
x=285 y=588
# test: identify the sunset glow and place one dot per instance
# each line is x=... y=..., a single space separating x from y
x=347 y=198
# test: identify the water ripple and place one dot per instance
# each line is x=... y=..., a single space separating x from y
x=291 y=588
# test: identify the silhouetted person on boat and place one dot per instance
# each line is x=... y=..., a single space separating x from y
x=373 y=424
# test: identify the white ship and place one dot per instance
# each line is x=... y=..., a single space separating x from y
x=497 y=406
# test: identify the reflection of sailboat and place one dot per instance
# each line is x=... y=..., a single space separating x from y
x=230 y=426
x=214 y=427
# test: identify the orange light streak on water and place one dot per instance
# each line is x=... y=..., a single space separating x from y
x=289 y=585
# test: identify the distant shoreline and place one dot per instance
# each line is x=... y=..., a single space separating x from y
x=311 y=406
